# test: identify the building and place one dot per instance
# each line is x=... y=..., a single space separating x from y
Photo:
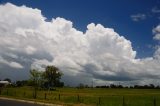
x=4 y=83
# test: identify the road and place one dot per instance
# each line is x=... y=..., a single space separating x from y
x=4 y=102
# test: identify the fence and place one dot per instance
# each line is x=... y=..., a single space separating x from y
x=109 y=100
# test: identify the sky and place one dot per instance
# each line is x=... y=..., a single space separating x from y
x=102 y=40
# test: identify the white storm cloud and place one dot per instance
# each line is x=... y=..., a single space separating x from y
x=30 y=50
x=100 y=53
x=156 y=31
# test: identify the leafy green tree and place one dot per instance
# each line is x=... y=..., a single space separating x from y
x=35 y=78
x=53 y=75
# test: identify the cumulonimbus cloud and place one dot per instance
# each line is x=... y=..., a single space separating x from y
x=99 y=53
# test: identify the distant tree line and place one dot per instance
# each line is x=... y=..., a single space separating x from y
x=150 y=86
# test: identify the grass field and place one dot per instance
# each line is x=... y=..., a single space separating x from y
x=89 y=96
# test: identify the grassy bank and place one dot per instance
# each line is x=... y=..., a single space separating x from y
x=89 y=96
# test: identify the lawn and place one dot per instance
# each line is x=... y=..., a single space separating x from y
x=89 y=96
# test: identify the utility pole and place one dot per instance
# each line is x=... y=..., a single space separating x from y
x=92 y=83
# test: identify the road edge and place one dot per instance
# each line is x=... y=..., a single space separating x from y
x=32 y=102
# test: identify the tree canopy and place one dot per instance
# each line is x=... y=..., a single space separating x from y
x=53 y=75
x=48 y=79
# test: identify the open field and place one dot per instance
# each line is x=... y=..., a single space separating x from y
x=89 y=96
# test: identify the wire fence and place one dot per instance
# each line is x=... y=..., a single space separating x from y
x=109 y=100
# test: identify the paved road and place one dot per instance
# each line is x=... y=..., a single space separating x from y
x=4 y=102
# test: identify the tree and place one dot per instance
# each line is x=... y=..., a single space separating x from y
x=53 y=75
x=35 y=79
x=20 y=83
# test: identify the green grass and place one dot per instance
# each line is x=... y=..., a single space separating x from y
x=89 y=96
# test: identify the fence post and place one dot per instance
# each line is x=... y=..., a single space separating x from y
x=0 y=91
x=123 y=101
x=24 y=94
x=34 y=95
x=7 y=92
x=99 y=100
x=154 y=101
x=78 y=98
x=45 y=96
x=15 y=93
x=59 y=96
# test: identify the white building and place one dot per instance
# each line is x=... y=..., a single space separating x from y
x=4 y=83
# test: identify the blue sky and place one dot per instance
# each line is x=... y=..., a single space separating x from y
x=110 y=13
